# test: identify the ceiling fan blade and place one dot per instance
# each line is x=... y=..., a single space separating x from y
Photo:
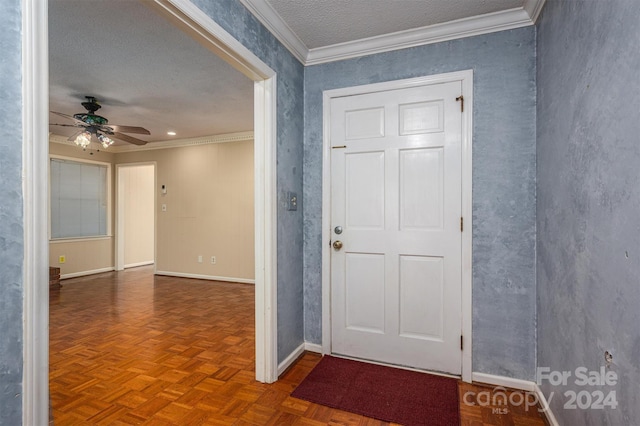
x=128 y=138
x=69 y=117
x=65 y=125
x=129 y=129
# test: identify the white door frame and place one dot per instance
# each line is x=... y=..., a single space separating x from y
x=466 y=78
x=35 y=127
x=120 y=216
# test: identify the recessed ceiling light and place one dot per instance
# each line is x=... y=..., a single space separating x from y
x=171 y=133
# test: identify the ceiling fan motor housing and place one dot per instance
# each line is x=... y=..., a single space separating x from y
x=89 y=118
x=91 y=105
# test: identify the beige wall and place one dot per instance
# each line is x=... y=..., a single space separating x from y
x=210 y=211
x=209 y=208
x=137 y=186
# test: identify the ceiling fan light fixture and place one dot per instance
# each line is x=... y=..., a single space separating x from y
x=105 y=141
x=83 y=140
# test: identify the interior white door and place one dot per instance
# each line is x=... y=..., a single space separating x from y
x=396 y=227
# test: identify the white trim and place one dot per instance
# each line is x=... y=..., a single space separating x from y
x=79 y=160
x=293 y=356
x=263 y=11
x=189 y=18
x=85 y=273
x=505 y=382
x=523 y=385
x=466 y=79
x=205 y=30
x=137 y=264
x=79 y=240
x=35 y=159
x=177 y=143
x=119 y=220
x=326 y=223
x=452 y=30
x=467 y=233
x=266 y=236
x=551 y=418
x=461 y=28
x=297 y=352
x=533 y=8
x=206 y=277
x=313 y=347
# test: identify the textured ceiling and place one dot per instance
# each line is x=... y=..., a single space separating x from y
x=321 y=23
x=145 y=72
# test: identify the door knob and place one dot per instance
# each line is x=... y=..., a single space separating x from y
x=337 y=245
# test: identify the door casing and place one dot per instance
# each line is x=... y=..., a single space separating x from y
x=466 y=78
x=35 y=125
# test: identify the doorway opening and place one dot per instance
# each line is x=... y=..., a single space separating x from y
x=35 y=135
x=135 y=215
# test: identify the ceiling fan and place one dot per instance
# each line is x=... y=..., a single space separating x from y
x=97 y=127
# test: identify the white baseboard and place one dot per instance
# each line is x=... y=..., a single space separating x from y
x=312 y=347
x=83 y=273
x=206 y=277
x=525 y=385
x=545 y=405
x=505 y=382
x=135 y=265
x=293 y=356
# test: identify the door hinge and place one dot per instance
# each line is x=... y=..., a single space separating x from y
x=461 y=224
x=461 y=343
x=461 y=99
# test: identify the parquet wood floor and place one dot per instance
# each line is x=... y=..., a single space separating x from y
x=131 y=348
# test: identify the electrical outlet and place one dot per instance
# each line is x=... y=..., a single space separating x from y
x=213 y=260
x=164 y=207
x=200 y=259
x=62 y=259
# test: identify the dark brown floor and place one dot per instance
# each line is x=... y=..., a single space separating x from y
x=130 y=348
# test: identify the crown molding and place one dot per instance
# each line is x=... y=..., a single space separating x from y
x=533 y=8
x=461 y=28
x=276 y=26
x=177 y=143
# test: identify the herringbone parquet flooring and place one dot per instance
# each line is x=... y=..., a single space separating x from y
x=129 y=348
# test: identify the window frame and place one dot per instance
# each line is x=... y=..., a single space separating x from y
x=109 y=209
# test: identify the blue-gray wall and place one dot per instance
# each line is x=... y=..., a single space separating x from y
x=589 y=200
x=11 y=227
x=503 y=184
x=242 y=25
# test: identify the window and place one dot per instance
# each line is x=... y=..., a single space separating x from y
x=79 y=199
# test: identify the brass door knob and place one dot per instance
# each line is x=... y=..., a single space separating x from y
x=337 y=245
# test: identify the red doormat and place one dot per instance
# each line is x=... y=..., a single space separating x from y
x=384 y=393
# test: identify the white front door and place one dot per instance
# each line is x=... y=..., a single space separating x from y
x=396 y=210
